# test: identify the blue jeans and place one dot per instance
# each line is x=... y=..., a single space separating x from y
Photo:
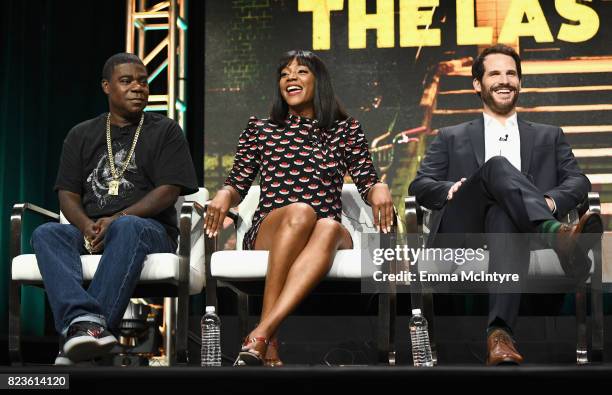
x=58 y=247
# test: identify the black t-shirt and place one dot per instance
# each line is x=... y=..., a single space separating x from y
x=161 y=157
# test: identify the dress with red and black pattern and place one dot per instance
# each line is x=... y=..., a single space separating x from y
x=300 y=162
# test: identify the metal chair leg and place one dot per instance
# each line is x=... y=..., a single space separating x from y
x=182 y=327
x=14 y=329
x=428 y=312
x=581 y=326
x=170 y=333
x=384 y=318
x=243 y=315
x=597 y=316
x=392 y=318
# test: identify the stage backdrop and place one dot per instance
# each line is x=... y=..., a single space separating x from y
x=402 y=67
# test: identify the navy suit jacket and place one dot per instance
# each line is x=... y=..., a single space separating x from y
x=458 y=151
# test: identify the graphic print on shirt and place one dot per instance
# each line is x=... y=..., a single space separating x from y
x=101 y=175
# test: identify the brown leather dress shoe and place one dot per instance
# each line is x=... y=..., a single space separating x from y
x=573 y=243
x=501 y=350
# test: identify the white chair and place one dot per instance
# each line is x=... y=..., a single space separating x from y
x=174 y=276
x=545 y=273
x=244 y=272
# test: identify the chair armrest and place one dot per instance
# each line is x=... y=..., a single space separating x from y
x=591 y=203
x=19 y=209
x=413 y=215
x=190 y=231
x=594 y=202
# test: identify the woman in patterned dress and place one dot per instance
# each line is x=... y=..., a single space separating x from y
x=302 y=153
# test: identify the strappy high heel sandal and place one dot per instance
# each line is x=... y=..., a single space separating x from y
x=273 y=362
x=250 y=356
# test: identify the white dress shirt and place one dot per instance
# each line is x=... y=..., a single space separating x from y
x=503 y=140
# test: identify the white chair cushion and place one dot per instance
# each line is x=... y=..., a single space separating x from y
x=252 y=265
x=157 y=268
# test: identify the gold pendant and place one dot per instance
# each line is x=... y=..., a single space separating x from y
x=113 y=188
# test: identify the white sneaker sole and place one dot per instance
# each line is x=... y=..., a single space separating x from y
x=83 y=348
x=63 y=361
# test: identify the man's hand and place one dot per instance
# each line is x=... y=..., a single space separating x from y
x=101 y=226
x=216 y=211
x=90 y=231
x=455 y=188
x=380 y=199
x=551 y=204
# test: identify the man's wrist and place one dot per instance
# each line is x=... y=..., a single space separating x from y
x=120 y=214
x=84 y=224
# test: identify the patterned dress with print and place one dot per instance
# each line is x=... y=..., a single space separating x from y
x=300 y=162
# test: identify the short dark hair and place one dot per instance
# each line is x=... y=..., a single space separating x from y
x=327 y=107
x=478 y=65
x=117 y=59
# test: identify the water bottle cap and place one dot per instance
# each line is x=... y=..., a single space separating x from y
x=416 y=311
x=210 y=309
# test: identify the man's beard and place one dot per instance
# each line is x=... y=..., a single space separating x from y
x=499 y=108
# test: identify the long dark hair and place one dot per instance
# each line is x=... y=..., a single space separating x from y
x=327 y=108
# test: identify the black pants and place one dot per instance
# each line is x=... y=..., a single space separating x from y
x=498 y=199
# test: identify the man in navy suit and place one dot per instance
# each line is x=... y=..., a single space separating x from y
x=500 y=174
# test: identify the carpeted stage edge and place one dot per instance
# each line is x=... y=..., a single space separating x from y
x=319 y=379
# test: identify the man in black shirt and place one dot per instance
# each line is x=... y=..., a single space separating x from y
x=119 y=177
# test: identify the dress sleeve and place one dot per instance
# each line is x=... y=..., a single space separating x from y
x=358 y=159
x=246 y=161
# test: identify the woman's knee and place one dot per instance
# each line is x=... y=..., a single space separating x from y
x=329 y=227
x=299 y=216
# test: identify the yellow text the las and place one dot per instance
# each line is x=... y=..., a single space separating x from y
x=525 y=18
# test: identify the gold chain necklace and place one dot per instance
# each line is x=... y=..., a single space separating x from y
x=113 y=185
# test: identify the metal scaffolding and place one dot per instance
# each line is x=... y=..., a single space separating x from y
x=151 y=16
x=170 y=56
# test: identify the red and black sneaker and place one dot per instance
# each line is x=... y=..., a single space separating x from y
x=86 y=340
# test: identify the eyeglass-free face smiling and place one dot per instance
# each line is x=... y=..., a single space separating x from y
x=297 y=87
x=500 y=85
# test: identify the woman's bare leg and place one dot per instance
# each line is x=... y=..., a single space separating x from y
x=308 y=269
x=284 y=233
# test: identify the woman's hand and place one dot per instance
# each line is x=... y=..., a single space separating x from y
x=380 y=199
x=216 y=211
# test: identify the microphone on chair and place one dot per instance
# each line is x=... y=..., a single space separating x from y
x=504 y=138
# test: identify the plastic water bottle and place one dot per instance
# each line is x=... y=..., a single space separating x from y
x=211 y=338
x=421 y=349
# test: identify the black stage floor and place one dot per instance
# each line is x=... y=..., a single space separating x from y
x=310 y=344
x=321 y=379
